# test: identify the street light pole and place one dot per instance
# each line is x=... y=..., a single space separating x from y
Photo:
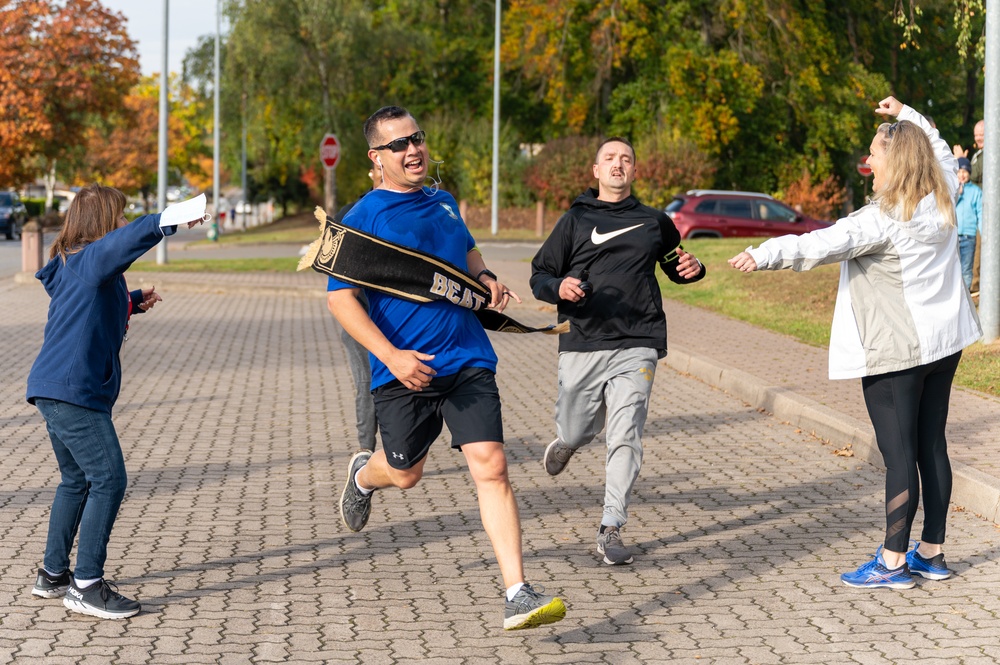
x=495 y=199
x=161 y=177
x=213 y=232
x=989 y=284
x=243 y=165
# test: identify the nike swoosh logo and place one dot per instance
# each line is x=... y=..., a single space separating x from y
x=599 y=238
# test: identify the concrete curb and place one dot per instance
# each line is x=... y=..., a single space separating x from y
x=25 y=278
x=973 y=490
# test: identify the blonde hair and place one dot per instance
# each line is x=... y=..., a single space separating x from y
x=911 y=172
x=93 y=214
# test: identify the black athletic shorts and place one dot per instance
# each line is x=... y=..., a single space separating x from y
x=410 y=420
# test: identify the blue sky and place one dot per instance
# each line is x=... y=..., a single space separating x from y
x=189 y=19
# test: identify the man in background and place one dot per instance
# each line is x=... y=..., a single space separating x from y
x=976 y=177
x=599 y=268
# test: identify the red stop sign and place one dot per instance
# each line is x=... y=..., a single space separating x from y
x=863 y=167
x=329 y=151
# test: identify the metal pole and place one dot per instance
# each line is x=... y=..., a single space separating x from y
x=243 y=172
x=495 y=198
x=161 y=176
x=213 y=232
x=989 y=279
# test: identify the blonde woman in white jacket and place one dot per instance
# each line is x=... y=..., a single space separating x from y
x=900 y=323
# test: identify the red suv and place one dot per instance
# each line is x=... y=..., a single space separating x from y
x=708 y=213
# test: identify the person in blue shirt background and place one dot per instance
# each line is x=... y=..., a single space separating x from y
x=969 y=218
x=432 y=363
x=74 y=383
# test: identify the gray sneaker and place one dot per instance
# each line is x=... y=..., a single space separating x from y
x=100 y=599
x=355 y=507
x=51 y=586
x=530 y=609
x=556 y=457
x=611 y=546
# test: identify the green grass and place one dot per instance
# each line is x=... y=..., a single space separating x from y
x=218 y=265
x=800 y=305
x=302 y=228
x=795 y=304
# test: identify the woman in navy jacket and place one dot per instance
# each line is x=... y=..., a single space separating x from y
x=74 y=383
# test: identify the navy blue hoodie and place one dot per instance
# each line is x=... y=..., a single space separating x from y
x=88 y=312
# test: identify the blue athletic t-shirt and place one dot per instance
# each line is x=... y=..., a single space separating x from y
x=427 y=221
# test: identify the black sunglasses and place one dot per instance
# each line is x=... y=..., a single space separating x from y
x=892 y=129
x=399 y=145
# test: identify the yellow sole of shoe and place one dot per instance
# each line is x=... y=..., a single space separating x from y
x=554 y=610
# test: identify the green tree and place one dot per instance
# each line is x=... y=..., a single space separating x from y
x=755 y=92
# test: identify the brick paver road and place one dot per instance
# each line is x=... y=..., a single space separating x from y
x=237 y=426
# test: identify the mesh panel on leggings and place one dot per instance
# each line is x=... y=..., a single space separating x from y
x=895 y=514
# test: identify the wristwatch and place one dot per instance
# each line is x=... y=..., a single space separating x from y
x=488 y=273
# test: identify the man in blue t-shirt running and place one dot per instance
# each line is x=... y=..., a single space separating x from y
x=432 y=363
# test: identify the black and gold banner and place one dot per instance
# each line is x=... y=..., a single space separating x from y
x=364 y=260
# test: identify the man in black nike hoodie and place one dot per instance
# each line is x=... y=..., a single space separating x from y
x=598 y=267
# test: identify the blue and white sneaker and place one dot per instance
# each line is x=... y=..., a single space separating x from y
x=875 y=574
x=933 y=569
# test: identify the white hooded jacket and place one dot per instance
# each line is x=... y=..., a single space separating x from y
x=901 y=302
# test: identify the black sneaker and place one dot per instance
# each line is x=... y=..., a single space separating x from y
x=355 y=507
x=51 y=586
x=934 y=568
x=556 y=457
x=100 y=599
x=611 y=546
x=530 y=609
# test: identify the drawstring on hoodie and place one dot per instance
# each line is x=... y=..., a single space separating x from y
x=128 y=314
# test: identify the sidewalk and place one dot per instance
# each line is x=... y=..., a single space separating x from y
x=789 y=379
x=785 y=377
x=237 y=421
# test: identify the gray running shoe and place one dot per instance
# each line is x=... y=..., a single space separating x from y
x=530 y=609
x=611 y=546
x=355 y=507
x=100 y=599
x=51 y=586
x=556 y=457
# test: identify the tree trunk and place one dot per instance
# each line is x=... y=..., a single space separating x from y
x=540 y=218
x=50 y=185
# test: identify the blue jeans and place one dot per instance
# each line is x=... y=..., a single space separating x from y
x=91 y=490
x=966 y=254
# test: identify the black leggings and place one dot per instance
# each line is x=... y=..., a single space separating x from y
x=909 y=410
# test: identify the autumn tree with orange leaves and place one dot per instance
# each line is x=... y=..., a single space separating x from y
x=51 y=100
x=122 y=150
x=23 y=126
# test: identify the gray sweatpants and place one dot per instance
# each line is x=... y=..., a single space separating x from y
x=361 y=372
x=598 y=388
